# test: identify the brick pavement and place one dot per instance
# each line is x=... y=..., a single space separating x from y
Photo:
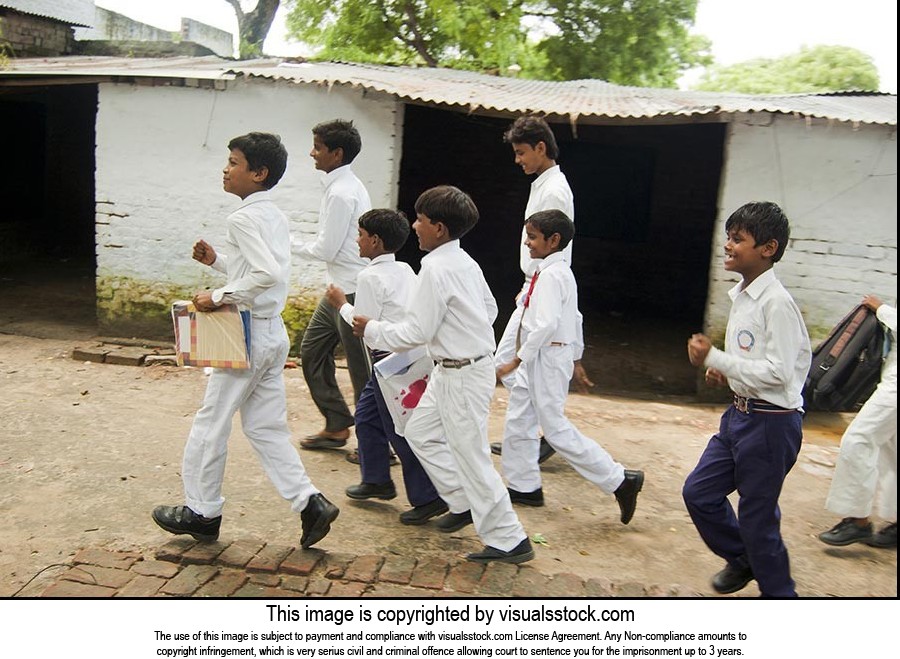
x=183 y=567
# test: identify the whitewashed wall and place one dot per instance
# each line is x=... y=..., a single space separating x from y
x=838 y=186
x=160 y=153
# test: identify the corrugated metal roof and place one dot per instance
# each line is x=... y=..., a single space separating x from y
x=74 y=12
x=474 y=91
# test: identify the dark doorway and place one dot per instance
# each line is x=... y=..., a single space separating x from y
x=47 y=243
x=645 y=200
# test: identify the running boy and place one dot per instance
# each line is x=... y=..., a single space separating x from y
x=452 y=313
x=765 y=361
x=536 y=152
x=382 y=293
x=257 y=263
x=542 y=368
x=335 y=145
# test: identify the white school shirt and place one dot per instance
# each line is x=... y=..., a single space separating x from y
x=767 y=353
x=888 y=317
x=452 y=310
x=549 y=191
x=552 y=313
x=383 y=291
x=256 y=258
x=345 y=199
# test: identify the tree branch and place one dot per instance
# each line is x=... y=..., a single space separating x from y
x=418 y=42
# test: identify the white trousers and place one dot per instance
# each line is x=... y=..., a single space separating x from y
x=867 y=461
x=448 y=433
x=258 y=393
x=537 y=399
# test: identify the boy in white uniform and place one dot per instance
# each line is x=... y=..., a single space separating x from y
x=452 y=314
x=542 y=368
x=257 y=263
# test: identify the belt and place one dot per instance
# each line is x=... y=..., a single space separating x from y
x=557 y=343
x=458 y=363
x=750 y=405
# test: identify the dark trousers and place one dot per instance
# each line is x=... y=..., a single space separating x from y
x=374 y=431
x=325 y=330
x=752 y=453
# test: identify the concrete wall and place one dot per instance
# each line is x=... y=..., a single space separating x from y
x=218 y=41
x=838 y=185
x=160 y=152
x=111 y=26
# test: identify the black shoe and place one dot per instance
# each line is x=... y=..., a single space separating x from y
x=454 y=521
x=885 y=538
x=384 y=491
x=421 y=514
x=546 y=451
x=182 y=520
x=316 y=519
x=627 y=492
x=846 y=532
x=535 y=499
x=732 y=579
x=519 y=554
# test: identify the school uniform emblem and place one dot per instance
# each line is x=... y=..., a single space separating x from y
x=745 y=340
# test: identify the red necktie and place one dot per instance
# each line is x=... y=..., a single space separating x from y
x=534 y=278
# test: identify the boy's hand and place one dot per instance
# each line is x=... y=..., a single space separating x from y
x=716 y=378
x=581 y=379
x=698 y=347
x=359 y=326
x=872 y=301
x=335 y=296
x=505 y=369
x=204 y=302
x=204 y=252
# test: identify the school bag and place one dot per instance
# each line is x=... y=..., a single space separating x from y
x=846 y=366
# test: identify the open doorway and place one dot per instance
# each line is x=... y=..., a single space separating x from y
x=47 y=243
x=645 y=200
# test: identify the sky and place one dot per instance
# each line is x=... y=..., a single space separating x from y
x=739 y=29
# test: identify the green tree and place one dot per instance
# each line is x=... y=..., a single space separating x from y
x=811 y=70
x=635 y=42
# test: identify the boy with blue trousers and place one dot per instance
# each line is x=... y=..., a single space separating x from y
x=765 y=362
x=542 y=366
x=256 y=261
x=452 y=313
x=383 y=291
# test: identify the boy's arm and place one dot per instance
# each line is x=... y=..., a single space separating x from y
x=334 y=225
x=546 y=301
x=884 y=312
x=783 y=342
x=422 y=320
x=263 y=267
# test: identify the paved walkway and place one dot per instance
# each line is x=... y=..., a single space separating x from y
x=249 y=568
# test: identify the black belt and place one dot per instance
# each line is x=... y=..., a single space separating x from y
x=458 y=363
x=750 y=405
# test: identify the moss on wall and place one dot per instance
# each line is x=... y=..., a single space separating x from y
x=296 y=315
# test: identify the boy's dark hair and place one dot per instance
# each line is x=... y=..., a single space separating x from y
x=765 y=221
x=263 y=150
x=553 y=221
x=450 y=206
x=531 y=129
x=389 y=225
x=340 y=133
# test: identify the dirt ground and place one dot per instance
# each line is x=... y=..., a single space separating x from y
x=87 y=450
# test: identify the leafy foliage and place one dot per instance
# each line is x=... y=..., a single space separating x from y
x=637 y=42
x=816 y=69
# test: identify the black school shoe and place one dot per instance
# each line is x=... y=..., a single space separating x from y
x=544 y=453
x=384 y=491
x=886 y=538
x=316 y=520
x=534 y=499
x=846 y=532
x=627 y=492
x=421 y=514
x=181 y=520
x=732 y=579
x=454 y=521
x=521 y=553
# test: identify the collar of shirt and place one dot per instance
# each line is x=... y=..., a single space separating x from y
x=262 y=195
x=332 y=176
x=446 y=248
x=756 y=287
x=384 y=258
x=550 y=259
x=544 y=177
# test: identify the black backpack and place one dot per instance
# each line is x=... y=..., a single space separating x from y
x=846 y=366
